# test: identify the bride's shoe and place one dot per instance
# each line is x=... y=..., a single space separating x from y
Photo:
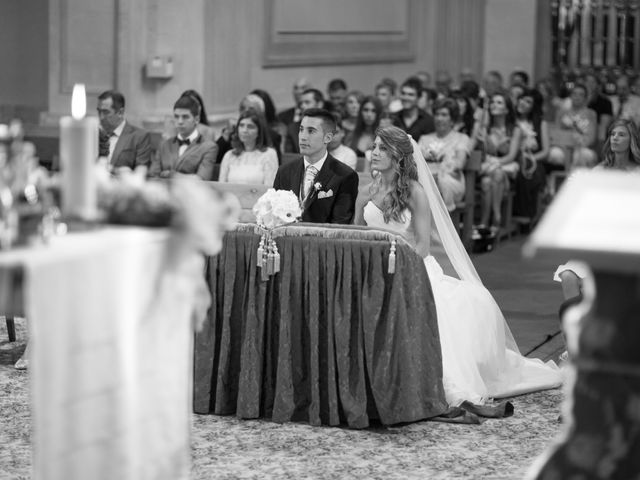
x=21 y=364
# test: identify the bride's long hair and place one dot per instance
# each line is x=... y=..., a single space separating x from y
x=400 y=150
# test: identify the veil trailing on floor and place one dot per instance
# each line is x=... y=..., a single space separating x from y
x=505 y=371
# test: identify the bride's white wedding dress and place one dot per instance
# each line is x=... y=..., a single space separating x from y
x=479 y=357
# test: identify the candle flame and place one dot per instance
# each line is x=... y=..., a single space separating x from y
x=78 y=101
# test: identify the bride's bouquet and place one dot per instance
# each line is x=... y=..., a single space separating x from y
x=434 y=152
x=273 y=209
x=277 y=207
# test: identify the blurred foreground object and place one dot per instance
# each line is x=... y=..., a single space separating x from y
x=595 y=219
x=111 y=312
x=25 y=204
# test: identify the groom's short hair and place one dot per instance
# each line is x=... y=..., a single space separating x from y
x=328 y=120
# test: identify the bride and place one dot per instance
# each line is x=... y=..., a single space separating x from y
x=480 y=358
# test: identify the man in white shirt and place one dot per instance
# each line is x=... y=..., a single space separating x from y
x=128 y=146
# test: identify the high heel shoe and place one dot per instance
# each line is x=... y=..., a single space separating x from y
x=21 y=364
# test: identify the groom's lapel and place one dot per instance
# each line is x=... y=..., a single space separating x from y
x=324 y=176
x=296 y=177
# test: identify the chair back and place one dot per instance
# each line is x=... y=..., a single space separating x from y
x=247 y=195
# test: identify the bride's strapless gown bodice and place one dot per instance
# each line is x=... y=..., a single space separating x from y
x=374 y=217
x=477 y=361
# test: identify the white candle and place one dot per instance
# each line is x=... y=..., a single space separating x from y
x=78 y=154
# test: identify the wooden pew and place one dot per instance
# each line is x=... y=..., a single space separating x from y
x=465 y=209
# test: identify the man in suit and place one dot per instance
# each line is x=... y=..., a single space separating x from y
x=310 y=98
x=411 y=119
x=327 y=188
x=293 y=115
x=188 y=151
x=123 y=144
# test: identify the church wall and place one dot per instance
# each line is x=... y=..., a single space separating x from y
x=23 y=56
x=218 y=47
x=510 y=35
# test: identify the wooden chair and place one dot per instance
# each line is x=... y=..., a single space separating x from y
x=247 y=195
x=465 y=209
x=11 y=329
x=563 y=139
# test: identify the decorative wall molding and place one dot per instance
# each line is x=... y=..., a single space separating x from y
x=460 y=33
x=335 y=32
x=88 y=44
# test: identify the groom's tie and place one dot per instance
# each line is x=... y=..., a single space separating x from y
x=309 y=176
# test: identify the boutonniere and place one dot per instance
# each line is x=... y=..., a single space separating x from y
x=317 y=186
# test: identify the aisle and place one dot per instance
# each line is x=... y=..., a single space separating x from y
x=527 y=295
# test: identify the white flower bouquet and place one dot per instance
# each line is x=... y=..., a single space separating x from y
x=273 y=209
x=277 y=207
x=435 y=151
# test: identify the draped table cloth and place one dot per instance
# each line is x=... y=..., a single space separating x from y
x=110 y=320
x=332 y=338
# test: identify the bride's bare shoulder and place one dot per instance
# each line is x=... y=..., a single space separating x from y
x=416 y=188
x=418 y=195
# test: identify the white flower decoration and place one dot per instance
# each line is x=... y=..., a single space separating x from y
x=276 y=207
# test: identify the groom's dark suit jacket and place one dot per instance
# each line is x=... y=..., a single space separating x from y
x=334 y=201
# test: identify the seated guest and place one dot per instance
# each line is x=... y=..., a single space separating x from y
x=386 y=93
x=492 y=83
x=625 y=104
x=411 y=119
x=252 y=159
x=352 y=108
x=471 y=91
x=337 y=149
x=443 y=83
x=127 y=146
x=466 y=119
x=531 y=178
x=447 y=152
x=428 y=98
x=253 y=101
x=424 y=77
x=466 y=75
x=550 y=100
x=326 y=187
x=293 y=114
x=581 y=122
x=337 y=92
x=187 y=152
x=519 y=77
x=500 y=139
x=599 y=104
x=311 y=98
x=203 y=122
x=515 y=91
x=362 y=137
x=275 y=129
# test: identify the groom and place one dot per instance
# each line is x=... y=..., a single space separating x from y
x=327 y=188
